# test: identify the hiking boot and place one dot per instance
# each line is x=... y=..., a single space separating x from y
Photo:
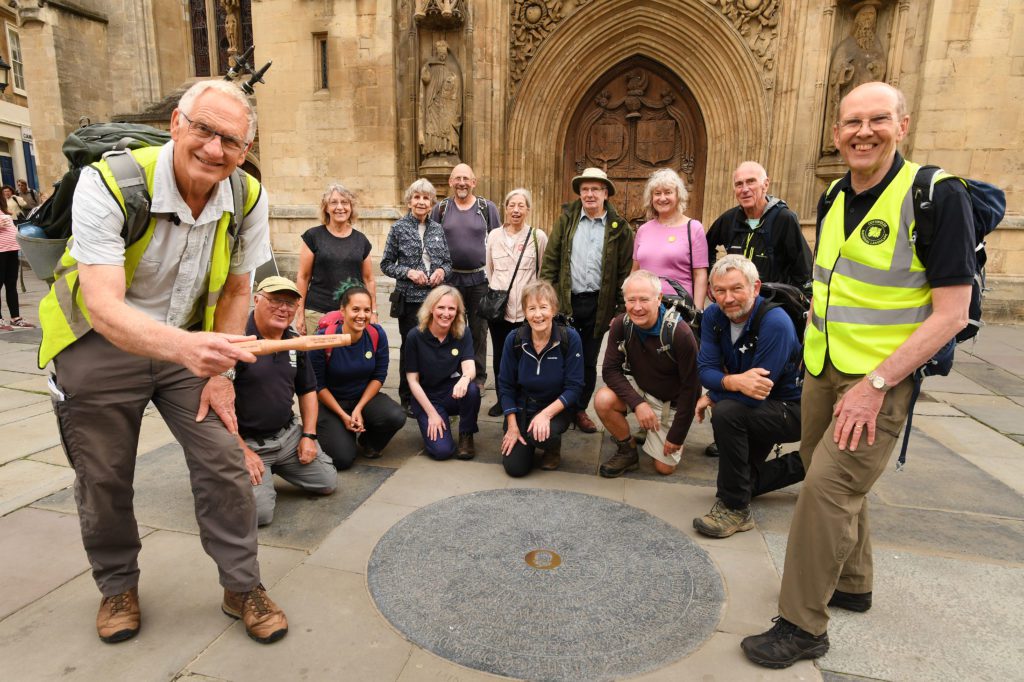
x=466 y=448
x=584 y=423
x=407 y=408
x=552 y=457
x=851 y=601
x=626 y=458
x=495 y=410
x=721 y=521
x=119 y=617
x=371 y=453
x=263 y=620
x=711 y=450
x=784 y=645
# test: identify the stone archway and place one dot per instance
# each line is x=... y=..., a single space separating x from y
x=689 y=38
x=638 y=117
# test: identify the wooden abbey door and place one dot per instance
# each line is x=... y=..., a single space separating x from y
x=636 y=118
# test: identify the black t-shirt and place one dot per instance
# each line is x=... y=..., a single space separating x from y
x=949 y=260
x=335 y=259
x=264 y=389
x=439 y=363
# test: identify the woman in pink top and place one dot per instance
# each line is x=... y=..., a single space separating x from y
x=670 y=244
x=9 y=267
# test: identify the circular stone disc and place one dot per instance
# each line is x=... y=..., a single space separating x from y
x=545 y=585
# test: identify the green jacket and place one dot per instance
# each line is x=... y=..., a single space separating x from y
x=617 y=256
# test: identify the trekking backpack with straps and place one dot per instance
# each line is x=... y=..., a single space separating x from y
x=678 y=307
x=481 y=206
x=112 y=142
x=523 y=336
x=331 y=324
x=988 y=206
x=792 y=302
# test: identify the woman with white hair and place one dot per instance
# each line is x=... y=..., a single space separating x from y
x=671 y=244
x=416 y=255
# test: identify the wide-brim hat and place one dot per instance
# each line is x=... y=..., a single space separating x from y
x=593 y=174
x=276 y=283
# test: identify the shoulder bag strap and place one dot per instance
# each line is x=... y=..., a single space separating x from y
x=516 y=271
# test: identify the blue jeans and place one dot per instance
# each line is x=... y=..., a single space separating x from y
x=466 y=407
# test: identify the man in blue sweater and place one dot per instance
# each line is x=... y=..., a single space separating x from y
x=749 y=361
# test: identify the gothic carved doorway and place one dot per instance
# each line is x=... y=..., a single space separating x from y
x=638 y=117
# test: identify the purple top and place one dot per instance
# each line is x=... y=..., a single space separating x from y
x=665 y=251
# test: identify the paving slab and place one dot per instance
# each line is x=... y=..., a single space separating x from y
x=333 y=627
x=54 y=456
x=21 y=359
x=424 y=666
x=895 y=641
x=54 y=638
x=930 y=407
x=28 y=436
x=992 y=452
x=423 y=481
x=752 y=586
x=11 y=399
x=995 y=411
x=954 y=382
x=26 y=411
x=32 y=382
x=993 y=377
x=348 y=547
x=42 y=551
x=163 y=499
x=23 y=482
x=588 y=483
x=722 y=659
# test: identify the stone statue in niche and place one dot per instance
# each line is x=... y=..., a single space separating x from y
x=440 y=104
x=858 y=59
x=231 y=25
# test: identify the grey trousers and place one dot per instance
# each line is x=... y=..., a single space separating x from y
x=281 y=457
x=101 y=395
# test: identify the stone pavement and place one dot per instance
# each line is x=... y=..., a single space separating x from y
x=948 y=540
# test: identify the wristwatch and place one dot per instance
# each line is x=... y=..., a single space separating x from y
x=229 y=374
x=877 y=381
x=311 y=436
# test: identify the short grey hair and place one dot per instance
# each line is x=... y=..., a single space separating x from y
x=188 y=101
x=643 y=276
x=735 y=261
x=661 y=179
x=342 y=191
x=421 y=186
x=523 y=192
x=762 y=174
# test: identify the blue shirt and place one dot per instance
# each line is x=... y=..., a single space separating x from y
x=775 y=349
x=555 y=373
x=587 y=254
x=351 y=368
x=439 y=363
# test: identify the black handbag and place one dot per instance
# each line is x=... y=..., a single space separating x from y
x=397 y=299
x=493 y=302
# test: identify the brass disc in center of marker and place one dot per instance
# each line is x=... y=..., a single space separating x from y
x=544 y=559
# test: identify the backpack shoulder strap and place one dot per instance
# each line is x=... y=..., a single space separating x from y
x=442 y=208
x=830 y=198
x=923 y=194
x=481 y=204
x=521 y=338
x=131 y=182
x=371 y=330
x=668 y=332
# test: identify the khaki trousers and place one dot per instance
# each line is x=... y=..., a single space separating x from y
x=101 y=394
x=829 y=539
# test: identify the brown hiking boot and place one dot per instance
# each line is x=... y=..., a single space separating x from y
x=584 y=423
x=721 y=521
x=466 y=448
x=625 y=459
x=552 y=457
x=119 y=617
x=264 y=621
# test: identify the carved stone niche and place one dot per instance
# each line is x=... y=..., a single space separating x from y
x=440 y=111
x=440 y=14
x=862 y=51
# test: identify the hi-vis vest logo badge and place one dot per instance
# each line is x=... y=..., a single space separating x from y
x=874 y=232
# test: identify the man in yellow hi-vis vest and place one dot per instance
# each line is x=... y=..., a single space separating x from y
x=882 y=306
x=153 y=320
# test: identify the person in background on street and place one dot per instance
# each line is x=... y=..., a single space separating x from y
x=541 y=377
x=665 y=375
x=330 y=254
x=440 y=370
x=749 y=361
x=10 y=266
x=272 y=439
x=30 y=197
x=515 y=238
x=416 y=256
x=588 y=257
x=671 y=244
x=15 y=204
x=467 y=220
x=354 y=414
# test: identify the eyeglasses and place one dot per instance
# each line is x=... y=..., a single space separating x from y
x=279 y=303
x=852 y=125
x=203 y=132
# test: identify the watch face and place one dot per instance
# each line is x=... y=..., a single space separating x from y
x=878 y=382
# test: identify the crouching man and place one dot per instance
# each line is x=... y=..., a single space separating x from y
x=749 y=361
x=663 y=363
x=273 y=439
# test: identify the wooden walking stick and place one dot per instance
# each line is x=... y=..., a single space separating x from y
x=315 y=342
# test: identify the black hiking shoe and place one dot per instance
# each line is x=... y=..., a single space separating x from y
x=784 y=645
x=850 y=601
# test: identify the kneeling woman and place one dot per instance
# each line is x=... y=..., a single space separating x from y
x=541 y=376
x=440 y=368
x=348 y=381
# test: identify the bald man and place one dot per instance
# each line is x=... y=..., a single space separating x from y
x=467 y=219
x=763 y=229
x=871 y=327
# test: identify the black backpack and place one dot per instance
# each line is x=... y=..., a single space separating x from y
x=481 y=206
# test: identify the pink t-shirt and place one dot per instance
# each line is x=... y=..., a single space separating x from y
x=665 y=251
